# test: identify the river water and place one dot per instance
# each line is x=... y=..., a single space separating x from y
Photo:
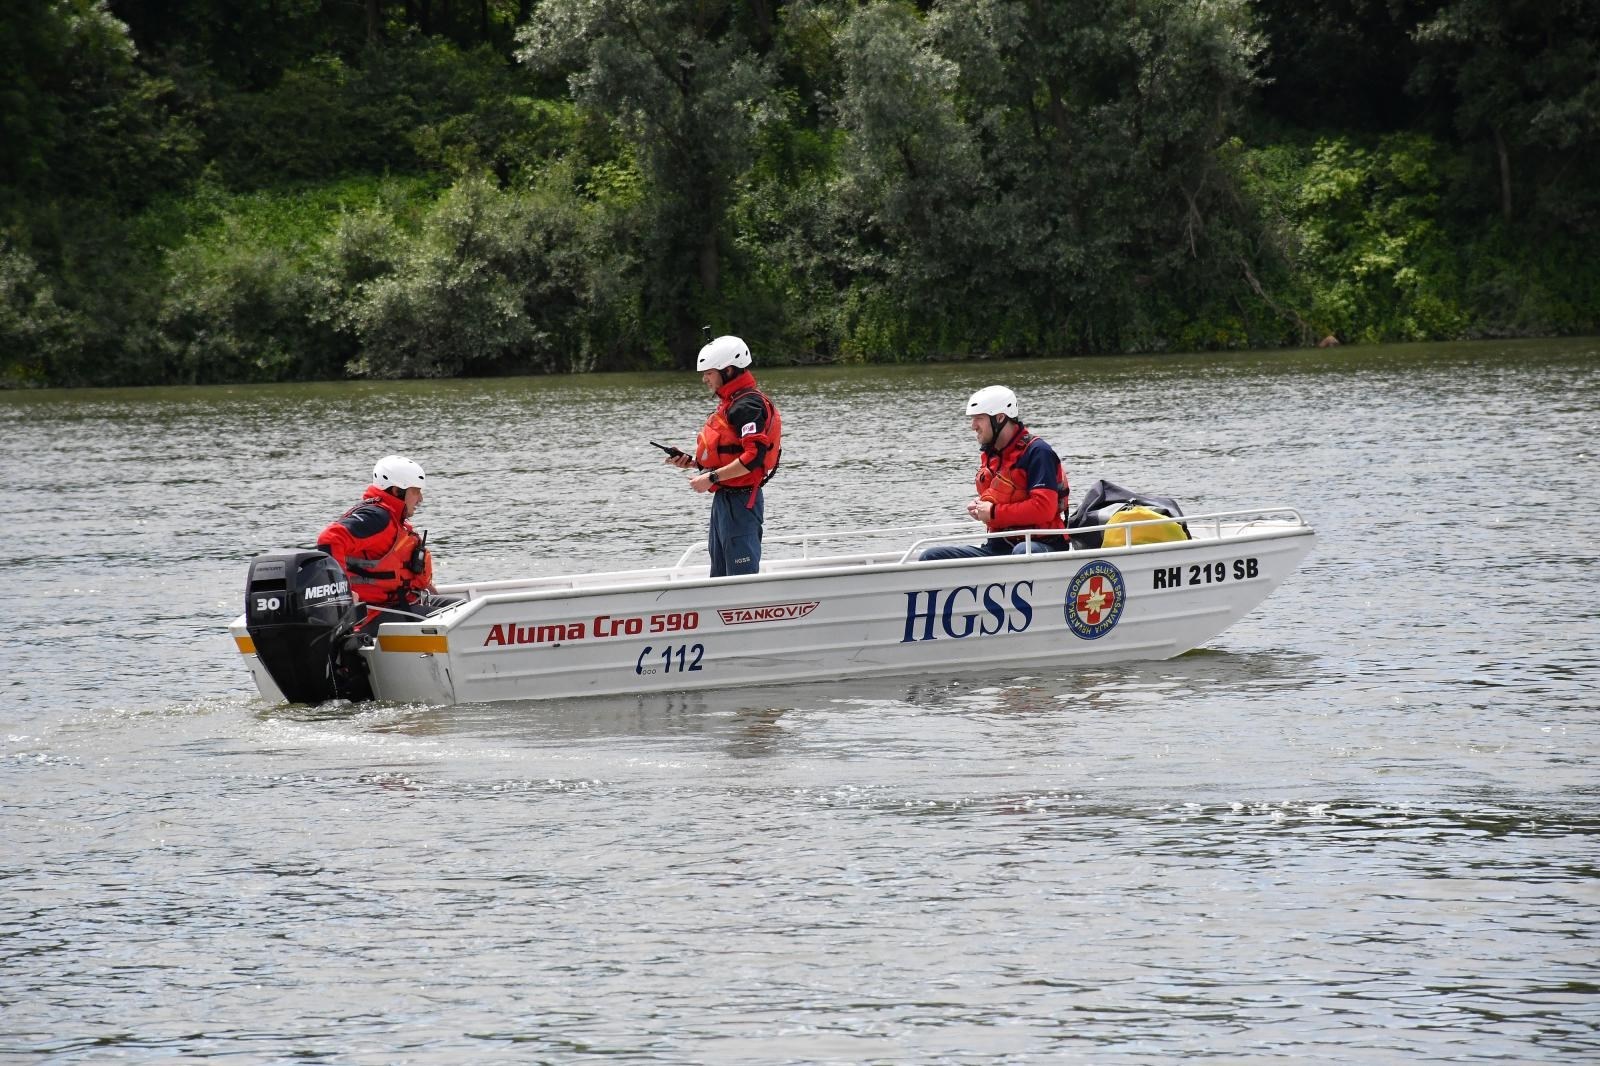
x=1361 y=826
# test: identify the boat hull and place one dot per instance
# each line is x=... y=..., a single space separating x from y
x=828 y=618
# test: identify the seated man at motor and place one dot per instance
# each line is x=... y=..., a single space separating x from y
x=1021 y=482
x=389 y=566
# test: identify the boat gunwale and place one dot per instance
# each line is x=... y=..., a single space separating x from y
x=659 y=579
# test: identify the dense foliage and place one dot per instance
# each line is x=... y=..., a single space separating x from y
x=237 y=190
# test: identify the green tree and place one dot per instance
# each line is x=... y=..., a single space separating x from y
x=492 y=281
x=681 y=81
x=245 y=44
x=1524 y=77
x=1360 y=226
x=1022 y=171
x=240 y=308
x=37 y=335
x=407 y=108
x=90 y=138
x=79 y=117
x=1340 y=65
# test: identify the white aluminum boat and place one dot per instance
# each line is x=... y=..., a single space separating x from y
x=806 y=617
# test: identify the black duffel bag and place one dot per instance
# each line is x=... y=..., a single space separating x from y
x=1103 y=499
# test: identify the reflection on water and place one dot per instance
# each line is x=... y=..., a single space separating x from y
x=1358 y=827
x=753 y=716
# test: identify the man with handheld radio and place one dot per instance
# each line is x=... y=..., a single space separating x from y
x=736 y=453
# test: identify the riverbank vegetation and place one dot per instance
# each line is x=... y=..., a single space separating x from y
x=251 y=190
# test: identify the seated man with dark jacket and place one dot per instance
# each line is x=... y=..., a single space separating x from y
x=1021 y=483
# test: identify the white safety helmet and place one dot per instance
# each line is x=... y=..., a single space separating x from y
x=993 y=400
x=723 y=352
x=397 y=472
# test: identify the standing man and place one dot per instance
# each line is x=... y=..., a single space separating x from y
x=386 y=561
x=737 y=452
x=1021 y=482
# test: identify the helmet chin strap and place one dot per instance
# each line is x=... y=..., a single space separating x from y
x=994 y=434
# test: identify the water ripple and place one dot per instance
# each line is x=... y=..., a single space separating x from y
x=1360 y=827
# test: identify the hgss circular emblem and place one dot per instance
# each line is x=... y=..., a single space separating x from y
x=1094 y=600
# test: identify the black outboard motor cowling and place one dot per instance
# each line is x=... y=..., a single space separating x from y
x=301 y=616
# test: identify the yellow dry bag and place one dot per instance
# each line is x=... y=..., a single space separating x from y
x=1155 y=533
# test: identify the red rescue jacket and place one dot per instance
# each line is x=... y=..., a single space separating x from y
x=379 y=550
x=1003 y=480
x=720 y=441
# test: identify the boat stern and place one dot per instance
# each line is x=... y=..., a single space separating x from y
x=410 y=662
x=246 y=646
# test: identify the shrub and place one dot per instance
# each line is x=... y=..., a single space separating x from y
x=491 y=281
x=36 y=333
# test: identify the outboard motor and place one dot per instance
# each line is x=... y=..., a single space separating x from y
x=301 y=615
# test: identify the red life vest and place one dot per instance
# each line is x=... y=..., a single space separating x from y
x=719 y=442
x=1003 y=482
x=386 y=563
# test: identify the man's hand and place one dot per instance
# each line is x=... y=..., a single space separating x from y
x=701 y=482
x=681 y=461
x=982 y=510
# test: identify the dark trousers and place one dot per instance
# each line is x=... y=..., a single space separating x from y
x=993 y=546
x=735 y=539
